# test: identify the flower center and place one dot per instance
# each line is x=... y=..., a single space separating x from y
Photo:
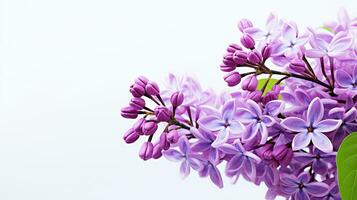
x=310 y=129
x=301 y=185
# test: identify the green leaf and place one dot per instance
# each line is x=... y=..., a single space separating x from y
x=347 y=167
x=270 y=85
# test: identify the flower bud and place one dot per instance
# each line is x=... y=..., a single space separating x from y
x=129 y=112
x=270 y=96
x=227 y=68
x=250 y=83
x=266 y=52
x=149 y=128
x=232 y=78
x=152 y=88
x=297 y=65
x=138 y=126
x=243 y=24
x=233 y=47
x=240 y=57
x=163 y=141
x=265 y=151
x=228 y=59
x=146 y=150
x=137 y=103
x=162 y=113
x=137 y=90
x=142 y=81
x=131 y=136
x=283 y=154
x=255 y=96
x=173 y=136
x=255 y=57
x=247 y=41
x=157 y=151
x=176 y=99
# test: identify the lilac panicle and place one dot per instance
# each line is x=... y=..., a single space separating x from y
x=284 y=136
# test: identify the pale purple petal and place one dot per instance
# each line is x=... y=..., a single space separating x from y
x=289 y=33
x=274 y=107
x=302 y=97
x=254 y=107
x=294 y=124
x=315 y=53
x=173 y=155
x=195 y=163
x=184 y=169
x=236 y=128
x=228 y=110
x=350 y=115
x=211 y=123
x=301 y=140
x=251 y=132
x=252 y=156
x=289 y=180
x=321 y=141
x=244 y=115
x=304 y=177
x=315 y=112
x=215 y=176
x=327 y=125
x=229 y=149
x=222 y=137
x=317 y=189
x=343 y=78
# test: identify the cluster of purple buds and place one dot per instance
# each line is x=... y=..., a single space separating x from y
x=147 y=125
x=296 y=100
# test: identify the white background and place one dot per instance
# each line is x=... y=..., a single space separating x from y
x=66 y=67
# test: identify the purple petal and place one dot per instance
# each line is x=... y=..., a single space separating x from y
x=302 y=97
x=195 y=163
x=301 y=195
x=343 y=78
x=222 y=138
x=289 y=181
x=319 y=167
x=274 y=107
x=303 y=158
x=321 y=141
x=236 y=128
x=184 y=145
x=211 y=123
x=301 y=140
x=315 y=53
x=214 y=155
x=304 y=177
x=337 y=113
x=354 y=74
x=251 y=132
x=252 y=156
x=229 y=149
x=254 y=107
x=350 y=115
x=249 y=168
x=317 y=189
x=184 y=169
x=263 y=133
x=289 y=33
x=327 y=125
x=267 y=120
x=228 y=110
x=201 y=146
x=235 y=163
x=244 y=115
x=294 y=124
x=173 y=155
x=215 y=176
x=315 y=112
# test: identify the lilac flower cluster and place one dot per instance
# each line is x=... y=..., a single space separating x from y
x=285 y=138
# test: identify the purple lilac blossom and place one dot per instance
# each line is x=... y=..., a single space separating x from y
x=285 y=138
